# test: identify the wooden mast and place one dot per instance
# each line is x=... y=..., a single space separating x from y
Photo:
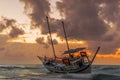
x=65 y=37
x=51 y=37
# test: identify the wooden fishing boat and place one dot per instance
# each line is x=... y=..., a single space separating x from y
x=68 y=64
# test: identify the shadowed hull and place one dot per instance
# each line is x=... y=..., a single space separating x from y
x=67 y=69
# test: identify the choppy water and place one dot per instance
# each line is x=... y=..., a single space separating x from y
x=38 y=72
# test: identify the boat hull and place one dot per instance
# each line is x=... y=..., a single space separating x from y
x=82 y=69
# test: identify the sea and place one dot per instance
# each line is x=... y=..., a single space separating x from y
x=39 y=72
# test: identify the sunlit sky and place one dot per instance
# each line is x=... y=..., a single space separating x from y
x=24 y=49
x=13 y=9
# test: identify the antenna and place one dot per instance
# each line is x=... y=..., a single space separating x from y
x=51 y=37
x=65 y=37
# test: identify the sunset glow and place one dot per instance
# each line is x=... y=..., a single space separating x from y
x=24 y=33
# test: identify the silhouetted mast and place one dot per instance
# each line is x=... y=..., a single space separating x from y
x=50 y=36
x=65 y=36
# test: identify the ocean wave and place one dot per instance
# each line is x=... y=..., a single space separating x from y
x=11 y=67
x=105 y=77
x=39 y=72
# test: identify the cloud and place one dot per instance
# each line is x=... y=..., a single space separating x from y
x=84 y=20
x=5 y=23
x=40 y=40
x=109 y=10
x=9 y=22
x=15 y=32
x=2 y=27
x=81 y=18
x=55 y=42
x=12 y=24
x=106 y=8
x=36 y=10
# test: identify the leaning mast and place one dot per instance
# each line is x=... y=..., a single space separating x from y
x=65 y=37
x=51 y=37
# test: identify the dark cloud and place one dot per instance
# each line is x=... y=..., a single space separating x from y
x=55 y=26
x=81 y=18
x=15 y=32
x=110 y=10
x=5 y=23
x=2 y=27
x=55 y=42
x=40 y=40
x=36 y=10
x=106 y=46
x=10 y=23
x=84 y=20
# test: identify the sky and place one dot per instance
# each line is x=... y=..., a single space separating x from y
x=89 y=23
